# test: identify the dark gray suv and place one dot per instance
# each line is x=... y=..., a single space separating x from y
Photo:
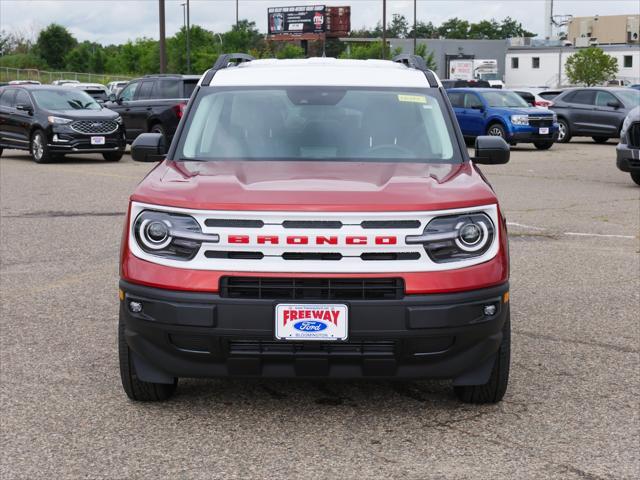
x=596 y=112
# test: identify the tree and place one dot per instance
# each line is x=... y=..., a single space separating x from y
x=243 y=37
x=510 y=28
x=53 y=44
x=486 y=29
x=454 y=28
x=429 y=58
x=399 y=27
x=424 y=30
x=591 y=66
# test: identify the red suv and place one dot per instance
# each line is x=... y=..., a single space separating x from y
x=316 y=218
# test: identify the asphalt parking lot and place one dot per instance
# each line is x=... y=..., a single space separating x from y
x=571 y=410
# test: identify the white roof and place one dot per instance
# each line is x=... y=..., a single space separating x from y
x=321 y=71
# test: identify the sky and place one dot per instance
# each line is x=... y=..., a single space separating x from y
x=116 y=21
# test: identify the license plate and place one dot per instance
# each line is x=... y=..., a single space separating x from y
x=311 y=322
x=97 y=140
x=544 y=131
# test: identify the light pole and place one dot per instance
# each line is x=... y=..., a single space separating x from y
x=237 y=14
x=384 y=29
x=188 y=46
x=415 y=23
x=163 y=50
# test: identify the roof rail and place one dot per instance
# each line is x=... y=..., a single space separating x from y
x=162 y=75
x=417 y=62
x=224 y=61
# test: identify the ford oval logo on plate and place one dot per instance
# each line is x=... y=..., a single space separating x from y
x=309 y=326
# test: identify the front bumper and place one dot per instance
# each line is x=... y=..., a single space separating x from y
x=65 y=140
x=528 y=134
x=184 y=334
x=627 y=159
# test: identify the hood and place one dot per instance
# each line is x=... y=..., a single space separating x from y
x=103 y=114
x=521 y=111
x=314 y=186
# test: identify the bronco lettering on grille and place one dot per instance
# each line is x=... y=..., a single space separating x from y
x=316 y=240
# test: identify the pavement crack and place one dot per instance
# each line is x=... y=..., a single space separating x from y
x=608 y=346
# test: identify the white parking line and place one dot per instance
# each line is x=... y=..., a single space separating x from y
x=579 y=234
x=576 y=234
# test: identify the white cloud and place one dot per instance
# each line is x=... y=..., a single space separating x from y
x=117 y=21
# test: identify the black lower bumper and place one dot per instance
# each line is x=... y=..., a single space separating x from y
x=81 y=143
x=530 y=137
x=180 y=334
x=627 y=159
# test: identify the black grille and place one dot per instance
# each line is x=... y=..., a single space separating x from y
x=312 y=288
x=541 y=122
x=234 y=255
x=368 y=224
x=269 y=348
x=633 y=135
x=94 y=126
x=312 y=224
x=233 y=223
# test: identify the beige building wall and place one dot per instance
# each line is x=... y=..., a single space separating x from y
x=606 y=29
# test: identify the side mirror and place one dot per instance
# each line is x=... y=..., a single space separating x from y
x=491 y=150
x=613 y=104
x=25 y=108
x=149 y=147
x=478 y=107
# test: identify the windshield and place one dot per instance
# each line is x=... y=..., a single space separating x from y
x=312 y=123
x=504 y=99
x=64 y=99
x=631 y=97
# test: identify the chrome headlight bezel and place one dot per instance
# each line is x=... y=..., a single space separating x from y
x=520 y=120
x=443 y=237
x=53 y=120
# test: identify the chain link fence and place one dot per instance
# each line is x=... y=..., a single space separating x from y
x=8 y=74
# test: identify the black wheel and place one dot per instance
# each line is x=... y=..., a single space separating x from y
x=635 y=176
x=134 y=388
x=113 y=156
x=0 y=152
x=543 y=145
x=600 y=139
x=564 y=132
x=495 y=388
x=496 y=130
x=158 y=128
x=39 y=149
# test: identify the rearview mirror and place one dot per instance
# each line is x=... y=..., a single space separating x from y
x=491 y=150
x=149 y=147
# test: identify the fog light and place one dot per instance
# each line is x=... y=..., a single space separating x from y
x=489 y=310
x=135 y=307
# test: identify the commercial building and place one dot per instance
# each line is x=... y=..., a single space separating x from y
x=445 y=50
x=614 y=29
x=530 y=66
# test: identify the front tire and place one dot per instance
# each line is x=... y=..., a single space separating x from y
x=38 y=147
x=635 y=176
x=113 y=156
x=134 y=388
x=496 y=130
x=564 y=132
x=543 y=145
x=495 y=388
x=600 y=139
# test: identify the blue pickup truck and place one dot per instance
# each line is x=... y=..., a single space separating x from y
x=488 y=111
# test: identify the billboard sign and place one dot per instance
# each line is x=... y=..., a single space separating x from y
x=297 y=20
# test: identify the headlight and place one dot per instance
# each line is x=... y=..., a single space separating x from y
x=170 y=235
x=520 y=119
x=456 y=237
x=58 y=120
x=119 y=119
x=625 y=126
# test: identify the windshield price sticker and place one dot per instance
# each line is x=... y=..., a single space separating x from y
x=412 y=98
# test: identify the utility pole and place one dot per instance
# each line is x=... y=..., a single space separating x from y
x=237 y=14
x=415 y=23
x=188 y=46
x=384 y=29
x=163 y=49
